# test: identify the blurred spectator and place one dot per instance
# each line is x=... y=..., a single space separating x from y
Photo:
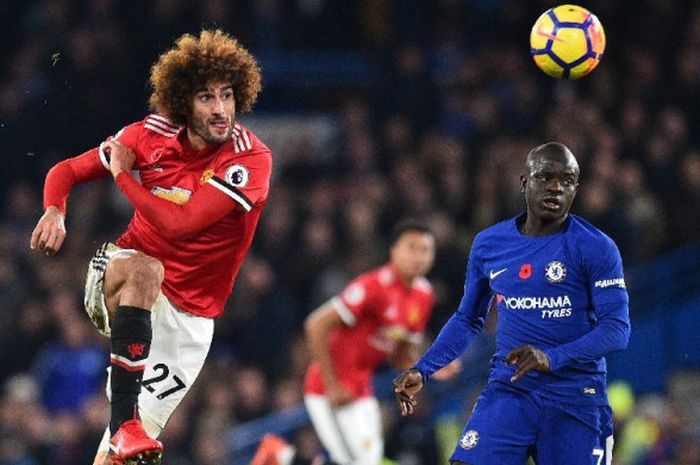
x=72 y=369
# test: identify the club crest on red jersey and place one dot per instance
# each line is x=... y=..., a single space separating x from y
x=207 y=174
x=414 y=315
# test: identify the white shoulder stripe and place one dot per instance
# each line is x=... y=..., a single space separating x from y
x=159 y=130
x=248 y=145
x=163 y=126
x=241 y=141
x=345 y=314
x=164 y=120
x=237 y=147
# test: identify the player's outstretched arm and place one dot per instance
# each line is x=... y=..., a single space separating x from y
x=206 y=206
x=406 y=386
x=50 y=231
x=406 y=354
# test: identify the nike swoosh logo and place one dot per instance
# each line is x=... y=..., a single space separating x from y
x=493 y=274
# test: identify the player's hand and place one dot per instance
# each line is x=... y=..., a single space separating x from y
x=527 y=358
x=50 y=232
x=406 y=386
x=121 y=157
x=339 y=396
x=449 y=371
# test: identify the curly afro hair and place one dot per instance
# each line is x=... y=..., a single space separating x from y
x=183 y=70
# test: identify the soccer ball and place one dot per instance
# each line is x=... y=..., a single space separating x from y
x=567 y=42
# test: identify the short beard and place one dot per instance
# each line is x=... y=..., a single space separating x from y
x=200 y=127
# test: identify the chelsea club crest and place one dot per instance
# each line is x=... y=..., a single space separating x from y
x=555 y=272
x=469 y=440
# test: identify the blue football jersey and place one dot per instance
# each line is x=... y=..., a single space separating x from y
x=563 y=293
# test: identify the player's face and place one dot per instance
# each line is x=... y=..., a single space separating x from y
x=550 y=187
x=213 y=111
x=413 y=253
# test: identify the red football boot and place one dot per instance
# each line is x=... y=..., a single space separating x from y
x=271 y=450
x=130 y=445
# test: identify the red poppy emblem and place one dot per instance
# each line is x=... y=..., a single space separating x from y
x=525 y=271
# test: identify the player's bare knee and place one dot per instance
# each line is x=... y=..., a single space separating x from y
x=131 y=267
x=149 y=269
x=136 y=277
x=145 y=273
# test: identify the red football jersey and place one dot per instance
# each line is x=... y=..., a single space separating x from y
x=199 y=270
x=378 y=310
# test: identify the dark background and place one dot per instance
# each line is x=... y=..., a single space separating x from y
x=375 y=110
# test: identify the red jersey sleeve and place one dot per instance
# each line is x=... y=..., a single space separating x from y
x=65 y=174
x=91 y=165
x=245 y=178
x=357 y=299
x=207 y=206
x=128 y=135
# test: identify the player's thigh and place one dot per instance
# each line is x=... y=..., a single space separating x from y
x=96 y=300
x=143 y=274
x=325 y=423
x=501 y=428
x=361 y=426
x=573 y=435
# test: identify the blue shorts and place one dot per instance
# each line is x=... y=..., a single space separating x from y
x=509 y=425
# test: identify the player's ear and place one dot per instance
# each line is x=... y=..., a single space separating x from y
x=523 y=183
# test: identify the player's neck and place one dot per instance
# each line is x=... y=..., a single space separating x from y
x=195 y=142
x=534 y=227
x=406 y=280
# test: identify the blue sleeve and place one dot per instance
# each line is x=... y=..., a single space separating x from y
x=610 y=302
x=466 y=323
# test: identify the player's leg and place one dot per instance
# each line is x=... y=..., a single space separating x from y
x=350 y=434
x=179 y=350
x=574 y=435
x=131 y=284
x=501 y=429
x=323 y=418
x=121 y=287
x=360 y=425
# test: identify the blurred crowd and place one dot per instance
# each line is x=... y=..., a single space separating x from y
x=438 y=128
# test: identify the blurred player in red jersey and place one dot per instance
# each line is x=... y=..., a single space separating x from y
x=379 y=317
x=204 y=179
